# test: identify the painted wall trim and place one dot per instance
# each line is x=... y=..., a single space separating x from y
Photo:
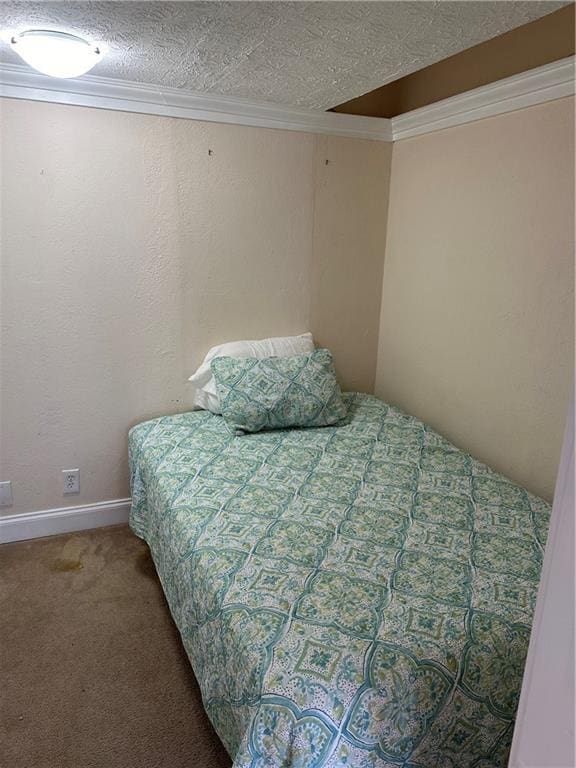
x=536 y=86
x=20 y=82
x=50 y=522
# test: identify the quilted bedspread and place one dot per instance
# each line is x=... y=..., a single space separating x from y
x=358 y=595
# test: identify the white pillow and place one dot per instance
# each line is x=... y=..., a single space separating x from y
x=206 y=396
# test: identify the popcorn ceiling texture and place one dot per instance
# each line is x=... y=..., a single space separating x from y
x=317 y=54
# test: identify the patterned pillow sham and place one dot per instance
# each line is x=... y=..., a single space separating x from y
x=278 y=392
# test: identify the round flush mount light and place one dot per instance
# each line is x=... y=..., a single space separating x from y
x=58 y=54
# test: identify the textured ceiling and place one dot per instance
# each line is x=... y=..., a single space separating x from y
x=315 y=54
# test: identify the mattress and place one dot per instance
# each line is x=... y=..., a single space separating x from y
x=358 y=595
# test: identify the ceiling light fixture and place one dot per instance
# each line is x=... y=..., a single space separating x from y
x=58 y=54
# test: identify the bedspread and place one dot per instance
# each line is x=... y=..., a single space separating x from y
x=358 y=595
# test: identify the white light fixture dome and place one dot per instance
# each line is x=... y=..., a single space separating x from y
x=58 y=54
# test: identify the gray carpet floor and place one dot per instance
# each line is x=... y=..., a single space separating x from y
x=93 y=674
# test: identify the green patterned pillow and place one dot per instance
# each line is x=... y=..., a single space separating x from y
x=277 y=392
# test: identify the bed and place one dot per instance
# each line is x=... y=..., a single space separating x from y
x=358 y=595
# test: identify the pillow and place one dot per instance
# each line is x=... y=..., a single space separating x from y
x=206 y=396
x=277 y=392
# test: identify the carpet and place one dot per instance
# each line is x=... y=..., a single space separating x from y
x=93 y=672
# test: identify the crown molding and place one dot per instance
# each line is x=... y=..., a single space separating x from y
x=536 y=86
x=20 y=82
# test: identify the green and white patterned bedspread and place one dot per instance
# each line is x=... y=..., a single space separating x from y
x=356 y=596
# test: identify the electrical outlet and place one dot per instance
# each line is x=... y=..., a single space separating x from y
x=71 y=479
x=6 y=493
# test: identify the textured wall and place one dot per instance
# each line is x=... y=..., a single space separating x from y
x=128 y=249
x=476 y=332
x=349 y=253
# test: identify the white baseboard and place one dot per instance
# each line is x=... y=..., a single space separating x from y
x=50 y=522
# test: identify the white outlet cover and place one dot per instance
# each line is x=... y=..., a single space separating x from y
x=6 y=493
x=71 y=481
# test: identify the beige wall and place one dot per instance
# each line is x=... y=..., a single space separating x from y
x=127 y=250
x=476 y=330
x=349 y=253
